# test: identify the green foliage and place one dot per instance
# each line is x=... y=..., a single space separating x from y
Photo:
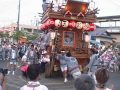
x=118 y=46
x=31 y=37
x=17 y=35
x=2 y=34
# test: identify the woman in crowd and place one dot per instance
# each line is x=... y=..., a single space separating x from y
x=32 y=73
x=102 y=76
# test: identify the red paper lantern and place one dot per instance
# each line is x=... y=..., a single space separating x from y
x=72 y=24
x=41 y=27
x=92 y=27
x=46 y=25
x=50 y=22
x=86 y=26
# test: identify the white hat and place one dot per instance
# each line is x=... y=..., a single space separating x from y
x=44 y=52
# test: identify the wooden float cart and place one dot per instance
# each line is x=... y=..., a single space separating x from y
x=70 y=27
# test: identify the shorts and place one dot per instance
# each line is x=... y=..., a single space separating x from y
x=13 y=62
x=63 y=68
x=76 y=74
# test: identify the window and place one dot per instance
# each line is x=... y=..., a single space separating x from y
x=28 y=29
x=68 y=38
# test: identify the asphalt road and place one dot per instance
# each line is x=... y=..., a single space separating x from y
x=16 y=81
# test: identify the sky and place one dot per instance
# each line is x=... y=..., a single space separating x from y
x=31 y=8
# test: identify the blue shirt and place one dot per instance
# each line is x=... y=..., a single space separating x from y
x=71 y=62
x=93 y=63
x=62 y=60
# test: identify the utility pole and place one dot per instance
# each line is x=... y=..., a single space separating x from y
x=18 y=20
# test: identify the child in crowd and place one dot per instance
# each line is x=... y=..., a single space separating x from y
x=32 y=72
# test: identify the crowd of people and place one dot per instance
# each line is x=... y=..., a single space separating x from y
x=31 y=60
x=108 y=57
x=19 y=56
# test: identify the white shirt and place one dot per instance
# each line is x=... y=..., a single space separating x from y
x=39 y=87
x=31 y=53
x=102 y=89
x=45 y=59
x=13 y=54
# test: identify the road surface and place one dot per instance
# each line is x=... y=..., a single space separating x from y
x=17 y=81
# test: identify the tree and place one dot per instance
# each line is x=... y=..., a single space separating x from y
x=2 y=34
x=17 y=34
x=32 y=37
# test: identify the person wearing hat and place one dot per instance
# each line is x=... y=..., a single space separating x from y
x=45 y=58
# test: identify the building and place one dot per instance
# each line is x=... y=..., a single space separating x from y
x=101 y=36
x=110 y=24
x=10 y=29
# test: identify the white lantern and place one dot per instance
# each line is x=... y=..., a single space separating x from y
x=52 y=34
x=86 y=37
x=65 y=23
x=79 y=25
x=57 y=23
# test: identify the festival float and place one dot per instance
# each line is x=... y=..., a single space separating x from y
x=69 y=24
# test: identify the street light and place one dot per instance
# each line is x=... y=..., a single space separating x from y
x=18 y=20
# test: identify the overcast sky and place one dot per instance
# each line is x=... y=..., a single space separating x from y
x=31 y=8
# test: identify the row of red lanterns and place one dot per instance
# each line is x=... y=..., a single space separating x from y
x=67 y=24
